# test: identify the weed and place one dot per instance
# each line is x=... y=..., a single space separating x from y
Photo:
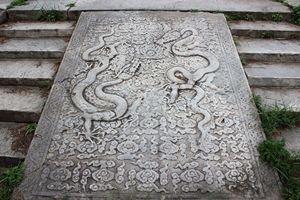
x=274 y=117
x=277 y=17
x=194 y=10
x=249 y=17
x=294 y=35
x=243 y=61
x=274 y=152
x=70 y=5
x=45 y=84
x=295 y=19
x=233 y=16
x=50 y=14
x=236 y=41
x=11 y=178
x=17 y=3
x=30 y=128
x=266 y=35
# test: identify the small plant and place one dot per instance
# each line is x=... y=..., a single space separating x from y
x=17 y=3
x=277 y=17
x=243 y=61
x=45 y=84
x=233 y=16
x=236 y=41
x=294 y=35
x=50 y=14
x=274 y=152
x=70 y=5
x=295 y=19
x=249 y=17
x=194 y=10
x=11 y=179
x=274 y=117
x=266 y=35
x=30 y=128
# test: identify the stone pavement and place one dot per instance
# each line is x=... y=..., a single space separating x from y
x=149 y=105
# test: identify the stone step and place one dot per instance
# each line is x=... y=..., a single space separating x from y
x=37 y=29
x=28 y=72
x=289 y=97
x=21 y=104
x=14 y=143
x=257 y=8
x=264 y=29
x=37 y=48
x=266 y=50
x=273 y=74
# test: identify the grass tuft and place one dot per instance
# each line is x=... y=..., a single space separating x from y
x=274 y=117
x=274 y=152
x=17 y=3
x=11 y=179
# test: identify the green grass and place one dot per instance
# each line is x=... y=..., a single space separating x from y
x=233 y=16
x=30 y=128
x=295 y=19
x=249 y=17
x=70 y=5
x=17 y=3
x=266 y=35
x=236 y=41
x=277 y=17
x=243 y=61
x=274 y=152
x=275 y=117
x=11 y=179
x=194 y=10
x=48 y=13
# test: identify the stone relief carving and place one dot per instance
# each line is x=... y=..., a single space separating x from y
x=151 y=109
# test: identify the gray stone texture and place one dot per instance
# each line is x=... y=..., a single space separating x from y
x=37 y=29
x=18 y=48
x=269 y=50
x=150 y=105
x=28 y=72
x=3 y=16
x=273 y=74
x=21 y=104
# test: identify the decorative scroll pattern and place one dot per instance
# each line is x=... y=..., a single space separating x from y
x=152 y=107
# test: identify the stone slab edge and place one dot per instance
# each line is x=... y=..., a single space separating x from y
x=29 y=12
x=37 y=152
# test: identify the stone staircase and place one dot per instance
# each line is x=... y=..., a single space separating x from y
x=270 y=52
x=30 y=54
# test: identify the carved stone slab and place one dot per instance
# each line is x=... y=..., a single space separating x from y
x=149 y=105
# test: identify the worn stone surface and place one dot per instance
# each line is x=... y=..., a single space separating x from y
x=28 y=72
x=212 y=5
x=270 y=50
x=293 y=2
x=37 y=29
x=292 y=139
x=264 y=29
x=33 y=48
x=8 y=132
x=289 y=97
x=149 y=105
x=21 y=104
x=273 y=74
